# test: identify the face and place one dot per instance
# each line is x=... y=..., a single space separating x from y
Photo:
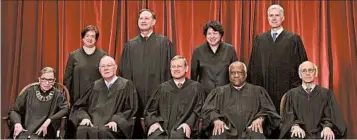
x=178 y=68
x=307 y=73
x=275 y=18
x=213 y=37
x=237 y=75
x=89 y=39
x=46 y=81
x=146 y=22
x=107 y=68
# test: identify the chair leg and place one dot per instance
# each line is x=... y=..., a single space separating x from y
x=133 y=127
x=63 y=127
x=142 y=122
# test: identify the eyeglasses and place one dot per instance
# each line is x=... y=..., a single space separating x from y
x=106 y=66
x=305 y=71
x=50 y=81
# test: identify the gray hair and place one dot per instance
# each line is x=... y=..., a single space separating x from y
x=276 y=6
x=308 y=62
x=48 y=70
x=179 y=57
x=107 y=56
x=237 y=63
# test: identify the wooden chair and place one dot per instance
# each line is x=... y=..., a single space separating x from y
x=61 y=132
x=282 y=102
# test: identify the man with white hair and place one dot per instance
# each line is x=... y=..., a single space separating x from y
x=310 y=111
x=107 y=108
x=275 y=57
x=239 y=110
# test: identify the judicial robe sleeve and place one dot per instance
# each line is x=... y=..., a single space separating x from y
x=68 y=74
x=62 y=106
x=267 y=110
x=210 y=111
x=333 y=118
x=300 y=56
x=125 y=68
x=80 y=108
x=123 y=117
x=152 y=111
x=195 y=65
x=165 y=70
x=19 y=108
x=198 y=107
x=254 y=74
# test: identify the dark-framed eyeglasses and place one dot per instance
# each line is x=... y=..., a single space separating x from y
x=50 y=81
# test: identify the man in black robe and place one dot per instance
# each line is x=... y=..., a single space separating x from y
x=173 y=108
x=311 y=111
x=106 y=110
x=275 y=57
x=239 y=109
x=145 y=60
x=37 y=111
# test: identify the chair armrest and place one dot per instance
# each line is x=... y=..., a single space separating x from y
x=142 y=122
x=63 y=127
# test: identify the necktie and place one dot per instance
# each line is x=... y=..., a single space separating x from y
x=274 y=36
x=179 y=85
x=308 y=90
x=109 y=85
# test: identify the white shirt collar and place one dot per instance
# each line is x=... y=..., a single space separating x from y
x=313 y=85
x=281 y=29
x=88 y=50
x=148 y=34
x=238 y=88
x=176 y=82
x=111 y=82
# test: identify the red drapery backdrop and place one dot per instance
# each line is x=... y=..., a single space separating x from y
x=35 y=34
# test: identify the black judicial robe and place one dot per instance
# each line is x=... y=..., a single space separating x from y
x=211 y=69
x=171 y=106
x=274 y=65
x=312 y=112
x=238 y=109
x=102 y=105
x=147 y=64
x=81 y=71
x=32 y=112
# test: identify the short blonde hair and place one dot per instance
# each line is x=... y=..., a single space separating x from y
x=179 y=57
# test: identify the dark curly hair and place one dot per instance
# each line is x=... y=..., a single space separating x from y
x=215 y=25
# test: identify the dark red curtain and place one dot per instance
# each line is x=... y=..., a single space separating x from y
x=35 y=34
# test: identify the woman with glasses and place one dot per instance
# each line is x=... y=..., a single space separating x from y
x=38 y=109
x=82 y=65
